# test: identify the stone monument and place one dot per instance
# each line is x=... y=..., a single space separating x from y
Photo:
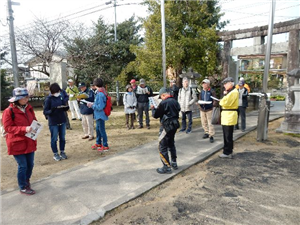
x=291 y=124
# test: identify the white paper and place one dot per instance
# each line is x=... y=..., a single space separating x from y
x=36 y=129
x=85 y=101
x=215 y=98
x=154 y=101
x=201 y=102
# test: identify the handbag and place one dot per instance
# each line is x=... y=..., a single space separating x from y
x=216 y=116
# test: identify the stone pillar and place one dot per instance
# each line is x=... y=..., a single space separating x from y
x=292 y=63
x=226 y=58
x=58 y=74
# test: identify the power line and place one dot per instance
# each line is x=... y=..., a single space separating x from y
x=55 y=21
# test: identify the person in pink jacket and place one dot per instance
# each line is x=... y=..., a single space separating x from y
x=16 y=120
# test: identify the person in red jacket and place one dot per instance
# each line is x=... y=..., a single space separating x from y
x=17 y=119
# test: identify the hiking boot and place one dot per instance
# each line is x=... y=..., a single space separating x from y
x=226 y=156
x=206 y=135
x=27 y=191
x=174 y=165
x=63 y=155
x=211 y=139
x=164 y=169
x=56 y=157
x=96 y=146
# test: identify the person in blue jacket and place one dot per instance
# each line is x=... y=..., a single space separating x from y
x=86 y=95
x=54 y=109
x=100 y=117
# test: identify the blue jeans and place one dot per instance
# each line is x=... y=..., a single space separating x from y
x=58 y=130
x=25 y=166
x=189 y=115
x=101 y=133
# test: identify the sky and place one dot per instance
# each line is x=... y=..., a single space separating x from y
x=242 y=14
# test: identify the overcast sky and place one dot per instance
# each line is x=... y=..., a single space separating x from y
x=241 y=13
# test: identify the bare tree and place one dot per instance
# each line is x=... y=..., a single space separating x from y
x=41 y=42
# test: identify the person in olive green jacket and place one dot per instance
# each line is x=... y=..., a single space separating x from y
x=73 y=91
x=229 y=115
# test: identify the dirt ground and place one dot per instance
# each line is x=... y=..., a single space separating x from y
x=78 y=150
x=259 y=186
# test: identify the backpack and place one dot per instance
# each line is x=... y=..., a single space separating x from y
x=2 y=130
x=108 y=107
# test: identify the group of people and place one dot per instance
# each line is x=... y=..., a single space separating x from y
x=234 y=103
x=18 y=117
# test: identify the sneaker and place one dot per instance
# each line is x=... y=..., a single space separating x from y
x=225 y=156
x=56 y=157
x=85 y=137
x=63 y=155
x=103 y=149
x=206 y=135
x=140 y=127
x=91 y=138
x=148 y=127
x=96 y=146
x=188 y=131
x=174 y=165
x=243 y=130
x=164 y=169
x=80 y=119
x=27 y=191
x=182 y=130
x=211 y=139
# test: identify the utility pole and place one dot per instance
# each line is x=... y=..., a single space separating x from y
x=162 y=9
x=115 y=5
x=264 y=106
x=12 y=41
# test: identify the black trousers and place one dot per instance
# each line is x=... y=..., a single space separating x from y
x=168 y=144
x=228 y=139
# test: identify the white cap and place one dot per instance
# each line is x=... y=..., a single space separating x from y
x=70 y=81
x=207 y=81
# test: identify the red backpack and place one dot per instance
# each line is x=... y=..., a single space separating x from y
x=108 y=107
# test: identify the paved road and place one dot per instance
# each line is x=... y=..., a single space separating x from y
x=83 y=194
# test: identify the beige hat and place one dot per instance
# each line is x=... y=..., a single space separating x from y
x=70 y=81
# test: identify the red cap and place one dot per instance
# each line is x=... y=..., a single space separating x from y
x=132 y=81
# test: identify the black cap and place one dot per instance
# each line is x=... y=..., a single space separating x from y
x=228 y=79
x=82 y=84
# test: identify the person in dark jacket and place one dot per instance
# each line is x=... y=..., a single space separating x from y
x=86 y=95
x=174 y=89
x=16 y=120
x=54 y=108
x=243 y=104
x=143 y=92
x=207 y=109
x=168 y=112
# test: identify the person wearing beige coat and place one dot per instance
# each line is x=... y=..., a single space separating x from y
x=186 y=98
